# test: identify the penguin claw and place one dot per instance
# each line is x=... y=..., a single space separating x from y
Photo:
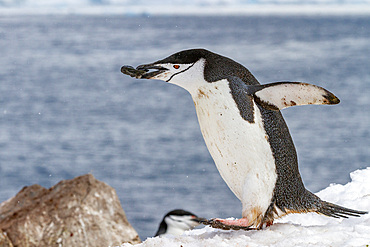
x=215 y=223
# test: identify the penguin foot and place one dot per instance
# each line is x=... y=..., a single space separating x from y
x=239 y=224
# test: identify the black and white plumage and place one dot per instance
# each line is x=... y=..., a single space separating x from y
x=246 y=134
x=177 y=222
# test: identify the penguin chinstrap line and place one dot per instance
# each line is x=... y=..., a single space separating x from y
x=246 y=134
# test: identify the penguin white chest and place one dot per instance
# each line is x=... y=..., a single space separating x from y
x=240 y=149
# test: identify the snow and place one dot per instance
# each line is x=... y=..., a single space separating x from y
x=296 y=229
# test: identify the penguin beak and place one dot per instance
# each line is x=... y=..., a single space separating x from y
x=198 y=220
x=151 y=70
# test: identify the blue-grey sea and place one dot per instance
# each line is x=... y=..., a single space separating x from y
x=67 y=110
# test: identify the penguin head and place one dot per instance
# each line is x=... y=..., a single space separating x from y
x=184 y=68
x=177 y=222
x=192 y=69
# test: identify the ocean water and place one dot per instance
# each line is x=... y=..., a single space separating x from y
x=166 y=3
x=185 y=7
x=66 y=109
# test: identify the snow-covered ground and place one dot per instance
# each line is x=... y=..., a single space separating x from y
x=294 y=230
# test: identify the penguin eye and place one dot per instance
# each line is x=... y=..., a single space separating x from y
x=176 y=66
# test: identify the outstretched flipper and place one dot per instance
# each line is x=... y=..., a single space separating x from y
x=280 y=95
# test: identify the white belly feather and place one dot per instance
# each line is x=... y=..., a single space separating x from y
x=240 y=149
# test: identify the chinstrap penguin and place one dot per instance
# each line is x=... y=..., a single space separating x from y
x=246 y=135
x=176 y=222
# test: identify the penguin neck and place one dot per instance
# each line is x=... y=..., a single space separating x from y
x=217 y=92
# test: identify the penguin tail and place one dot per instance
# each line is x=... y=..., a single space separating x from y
x=336 y=211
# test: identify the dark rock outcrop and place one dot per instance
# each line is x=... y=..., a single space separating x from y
x=78 y=212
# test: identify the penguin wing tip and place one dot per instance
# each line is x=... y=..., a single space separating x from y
x=331 y=99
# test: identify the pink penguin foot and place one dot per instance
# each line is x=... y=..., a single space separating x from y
x=239 y=224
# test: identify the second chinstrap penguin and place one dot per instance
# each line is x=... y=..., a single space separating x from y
x=245 y=133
